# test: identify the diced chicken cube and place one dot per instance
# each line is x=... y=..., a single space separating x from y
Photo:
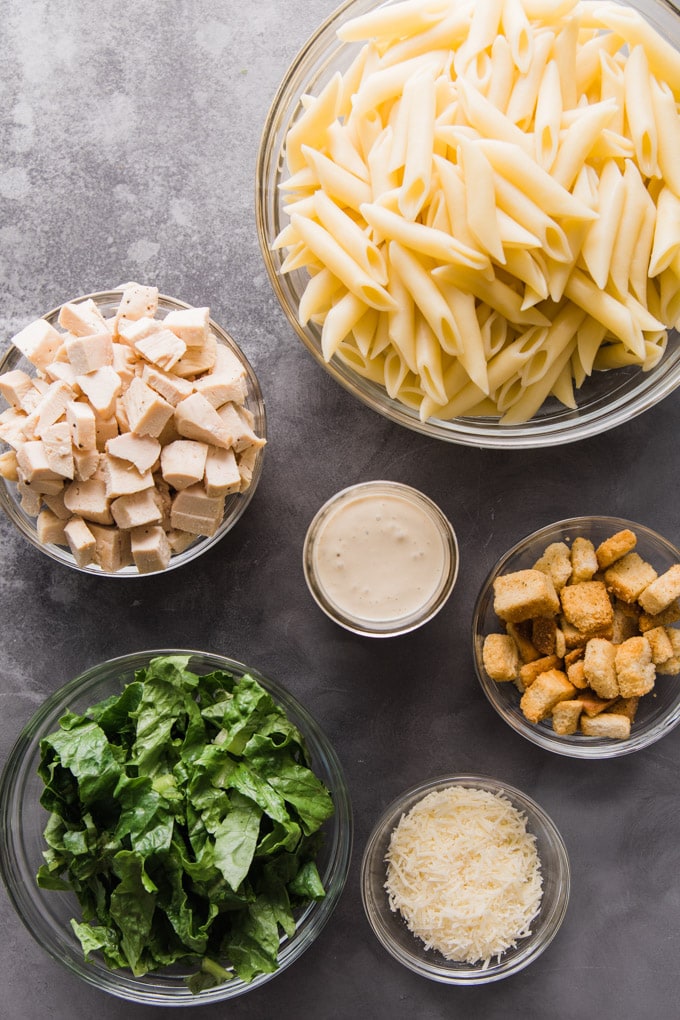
x=63 y=371
x=193 y=510
x=180 y=540
x=196 y=418
x=82 y=318
x=81 y=541
x=246 y=465
x=142 y=451
x=105 y=429
x=192 y=325
x=150 y=548
x=33 y=463
x=170 y=386
x=132 y=331
x=124 y=362
x=58 y=450
x=15 y=386
x=50 y=528
x=88 y=500
x=82 y=424
x=183 y=462
x=49 y=409
x=138 y=301
x=147 y=411
x=56 y=504
x=122 y=478
x=8 y=465
x=85 y=463
x=112 y=547
x=38 y=342
x=87 y=353
x=161 y=348
x=101 y=388
x=238 y=426
x=222 y=475
x=12 y=424
x=197 y=359
x=137 y=509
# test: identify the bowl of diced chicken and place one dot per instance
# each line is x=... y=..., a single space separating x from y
x=576 y=639
x=132 y=432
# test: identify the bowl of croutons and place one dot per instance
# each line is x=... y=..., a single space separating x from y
x=132 y=432
x=576 y=637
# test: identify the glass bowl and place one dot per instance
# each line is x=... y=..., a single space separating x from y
x=392 y=931
x=386 y=618
x=47 y=913
x=658 y=712
x=606 y=399
x=235 y=504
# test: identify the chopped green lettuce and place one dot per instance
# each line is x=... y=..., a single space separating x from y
x=185 y=817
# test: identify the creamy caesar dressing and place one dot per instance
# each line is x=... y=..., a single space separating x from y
x=379 y=556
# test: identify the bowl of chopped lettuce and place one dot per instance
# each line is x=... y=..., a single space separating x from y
x=175 y=828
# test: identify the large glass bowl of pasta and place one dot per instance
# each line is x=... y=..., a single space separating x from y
x=470 y=225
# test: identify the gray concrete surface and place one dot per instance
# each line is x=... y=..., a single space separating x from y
x=128 y=140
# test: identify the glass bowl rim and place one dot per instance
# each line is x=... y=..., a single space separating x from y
x=549 y=924
x=26 y=526
x=597 y=748
x=120 y=984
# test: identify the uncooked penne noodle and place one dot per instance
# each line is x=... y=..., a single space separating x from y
x=336 y=181
x=668 y=133
x=299 y=256
x=548 y=114
x=387 y=83
x=419 y=96
x=518 y=32
x=639 y=266
x=516 y=203
x=365 y=332
x=423 y=239
x=563 y=387
x=534 y=396
x=635 y=203
x=429 y=360
x=598 y=244
x=365 y=132
x=524 y=266
x=401 y=19
x=342 y=151
x=500 y=85
x=666 y=232
x=589 y=60
x=447 y=34
x=522 y=101
x=427 y=297
x=579 y=141
x=496 y=293
x=312 y=125
x=488 y=120
x=381 y=342
x=369 y=368
x=663 y=58
x=548 y=11
x=589 y=338
x=484 y=28
x=342 y=265
x=401 y=319
x=382 y=180
x=471 y=355
x=560 y=334
x=493 y=329
x=396 y=372
x=350 y=236
x=480 y=199
x=339 y=322
x=606 y=309
x=564 y=53
x=317 y=295
x=611 y=87
x=669 y=296
x=640 y=111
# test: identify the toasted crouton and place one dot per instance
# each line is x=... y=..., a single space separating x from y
x=576 y=674
x=671 y=666
x=610 y=725
x=660 y=644
x=629 y=576
x=546 y=691
x=530 y=670
x=583 y=560
x=635 y=670
x=667 y=616
x=500 y=657
x=565 y=716
x=586 y=607
x=660 y=593
x=599 y=667
x=524 y=594
x=625 y=706
x=521 y=635
x=614 y=547
x=556 y=562
x=592 y=704
x=543 y=634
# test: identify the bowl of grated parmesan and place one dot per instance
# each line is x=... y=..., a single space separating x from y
x=465 y=880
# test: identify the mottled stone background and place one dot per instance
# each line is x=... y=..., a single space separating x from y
x=128 y=142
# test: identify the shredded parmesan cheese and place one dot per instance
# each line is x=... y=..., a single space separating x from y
x=464 y=873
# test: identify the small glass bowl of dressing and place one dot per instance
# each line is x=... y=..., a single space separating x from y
x=380 y=558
